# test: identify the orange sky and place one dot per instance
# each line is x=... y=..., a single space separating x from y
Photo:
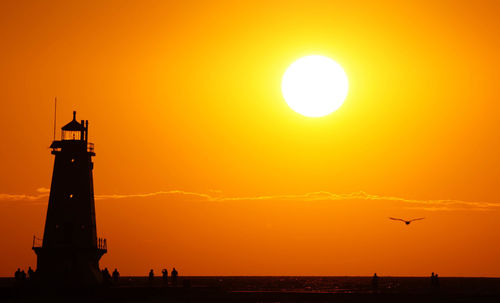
x=187 y=97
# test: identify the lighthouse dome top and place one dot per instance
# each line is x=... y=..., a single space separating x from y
x=73 y=125
x=74 y=137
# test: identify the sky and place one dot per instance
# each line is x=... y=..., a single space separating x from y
x=200 y=163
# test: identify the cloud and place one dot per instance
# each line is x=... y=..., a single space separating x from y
x=153 y=194
x=43 y=190
x=428 y=205
x=21 y=197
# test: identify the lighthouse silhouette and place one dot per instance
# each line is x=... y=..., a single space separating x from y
x=70 y=251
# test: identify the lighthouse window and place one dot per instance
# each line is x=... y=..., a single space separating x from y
x=71 y=196
x=72 y=160
x=71 y=135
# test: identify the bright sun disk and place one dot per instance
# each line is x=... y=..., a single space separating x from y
x=314 y=86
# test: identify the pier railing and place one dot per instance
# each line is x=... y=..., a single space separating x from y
x=37 y=242
x=102 y=244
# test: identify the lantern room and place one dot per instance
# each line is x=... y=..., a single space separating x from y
x=74 y=130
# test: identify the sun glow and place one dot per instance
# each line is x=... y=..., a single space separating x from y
x=314 y=86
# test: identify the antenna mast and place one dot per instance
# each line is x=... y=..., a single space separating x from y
x=55 y=114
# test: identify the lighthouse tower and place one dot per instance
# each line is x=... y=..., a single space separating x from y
x=70 y=250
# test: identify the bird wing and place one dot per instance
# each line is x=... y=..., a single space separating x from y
x=416 y=219
x=397 y=219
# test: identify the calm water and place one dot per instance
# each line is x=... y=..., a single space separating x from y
x=334 y=284
x=322 y=284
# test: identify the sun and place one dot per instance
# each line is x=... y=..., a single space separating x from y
x=314 y=86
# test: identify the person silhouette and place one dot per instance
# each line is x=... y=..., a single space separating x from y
x=106 y=276
x=151 y=275
x=116 y=275
x=30 y=273
x=175 y=274
x=375 y=282
x=436 y=281
x=164 y=273
x=17 y=275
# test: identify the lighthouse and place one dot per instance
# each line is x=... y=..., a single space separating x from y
x=70 y=250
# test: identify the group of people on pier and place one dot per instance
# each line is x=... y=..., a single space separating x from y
x=174 y=275
x=434 y=282
x=114 y=278
x=21 y=276
x=108 y=277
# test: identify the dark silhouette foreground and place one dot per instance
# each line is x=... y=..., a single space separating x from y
x=69 y=253
x=267 y=289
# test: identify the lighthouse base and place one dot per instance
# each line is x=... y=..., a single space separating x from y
x=68 y=267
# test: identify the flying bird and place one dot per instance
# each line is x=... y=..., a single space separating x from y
x=407 y=222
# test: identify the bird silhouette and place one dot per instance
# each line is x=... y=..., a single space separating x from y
x=407 y=222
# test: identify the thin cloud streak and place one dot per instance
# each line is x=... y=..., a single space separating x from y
x=42 y=193
x=429 y=205
x=153 y=194
x=22 y=197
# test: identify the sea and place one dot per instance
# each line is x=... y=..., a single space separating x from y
x=324 y=284
x=266 y=289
